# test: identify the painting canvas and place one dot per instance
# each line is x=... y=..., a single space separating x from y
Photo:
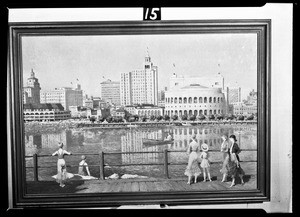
x=105 y=113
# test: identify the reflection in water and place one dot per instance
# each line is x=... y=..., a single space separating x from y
x=130 y=140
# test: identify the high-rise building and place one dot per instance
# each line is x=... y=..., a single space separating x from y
x=67 y=96
x=234 y=95
x=140 y=86
x=31 y=92
x=110 y=91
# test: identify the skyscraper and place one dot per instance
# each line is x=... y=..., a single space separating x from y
x=234 y=95
x=31 y=92
x=110 y=91
x=140 y=86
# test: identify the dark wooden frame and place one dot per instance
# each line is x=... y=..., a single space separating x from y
x=16 y=162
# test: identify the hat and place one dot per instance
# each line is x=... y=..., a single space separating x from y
x=204 y=147
x=83 y=157
x=233 y=136
x=60 y=144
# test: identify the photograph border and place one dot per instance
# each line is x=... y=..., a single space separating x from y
x=15 y=124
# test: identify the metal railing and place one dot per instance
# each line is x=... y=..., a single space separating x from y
x=102 y=165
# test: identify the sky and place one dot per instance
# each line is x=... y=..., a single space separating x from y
x=60 y=60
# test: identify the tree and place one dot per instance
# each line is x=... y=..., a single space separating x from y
x=109 y=119
x=220 y=117
x=101 y=119
x=159 y=117
x=240 y=118
x=251 y=117
x=184 y=117
x=152 y=118
x=92 y=119
x=211 y=117
x=174 y=117
x=131 y=119
x=229 y=117
x=201 y=117
x=192 y=117
x=143 y=119
x=166 y=117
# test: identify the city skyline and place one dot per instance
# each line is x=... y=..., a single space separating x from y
x=86 y=58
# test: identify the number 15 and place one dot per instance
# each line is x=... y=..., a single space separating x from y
x=153 y=14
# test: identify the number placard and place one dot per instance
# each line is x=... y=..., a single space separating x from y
x=152 y=14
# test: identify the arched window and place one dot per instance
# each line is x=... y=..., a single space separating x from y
x=180 y=100
x=215 y=111
x=200 y=99
x=205 y=99
x=176 y=112
x=209 y=99
x=218 y=99
x=214 y=99
x=190 y=99
x=210 y=112
x=219 y=111
x=185 y=112
x=200 y=112
x=184 y=100
x=195 y=112
x=221 y=99
x=205 y=111
x=180 y=113
x=190 y=112
x=171 y=99
x=195 y=99
x=175 y=100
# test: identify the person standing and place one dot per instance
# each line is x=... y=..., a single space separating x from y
x=193 y=168
x=235 y=168
x=62 y=174
x=225 y=150
x=205 y=163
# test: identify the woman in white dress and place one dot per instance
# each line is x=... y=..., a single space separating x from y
x=62 y=174
x=193 y=168
x=205 y=163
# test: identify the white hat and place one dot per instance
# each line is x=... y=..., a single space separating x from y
x=204 y=147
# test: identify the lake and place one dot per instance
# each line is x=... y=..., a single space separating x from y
x=94 y=140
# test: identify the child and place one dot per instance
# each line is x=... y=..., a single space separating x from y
x=83 y=164
x=62 y=174
x=204 y=163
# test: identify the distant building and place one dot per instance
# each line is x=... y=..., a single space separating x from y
x=88 y=103
x=140 y=86
x=31 y=92
x=195 y=99
x=78 y=111
x=67 y=96
x=234 y=95
x=45 y=112
x=110 y=91
x=243 y=109
x=97 y=113
x=118 y=113
x=149 y=110
x=130 y=109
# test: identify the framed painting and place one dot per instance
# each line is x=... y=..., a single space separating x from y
x=138 y=112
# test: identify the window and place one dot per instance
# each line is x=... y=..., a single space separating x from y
x=210 y=99
x=190 y=99
x=205 y=99
x=195 y=99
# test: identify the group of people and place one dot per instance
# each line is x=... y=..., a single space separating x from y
x=231 y=162
x=62 y=174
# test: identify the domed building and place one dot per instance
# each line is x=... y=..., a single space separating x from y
x=195 y=99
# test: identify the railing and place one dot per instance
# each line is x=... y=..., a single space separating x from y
x=102 y=164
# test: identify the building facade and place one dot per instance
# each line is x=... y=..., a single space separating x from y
x=195 y=99
x=66 y=96
x=148 y=111
x=234 y=95
x=45 y=112
x=140 y=86
x=31 y=92
x=244 y=109
x=110 y=91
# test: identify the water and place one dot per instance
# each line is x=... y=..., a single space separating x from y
x=130 y=140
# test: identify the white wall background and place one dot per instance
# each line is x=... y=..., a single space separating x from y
x=281 y=78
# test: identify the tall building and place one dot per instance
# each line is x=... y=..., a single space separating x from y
x=67 y=96
x=234 y=95
x=140 y=86
x=110 y=91
x=31 y=92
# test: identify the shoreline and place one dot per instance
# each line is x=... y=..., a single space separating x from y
x=57 y=126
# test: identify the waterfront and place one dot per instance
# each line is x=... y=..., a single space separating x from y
x=130 y=140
